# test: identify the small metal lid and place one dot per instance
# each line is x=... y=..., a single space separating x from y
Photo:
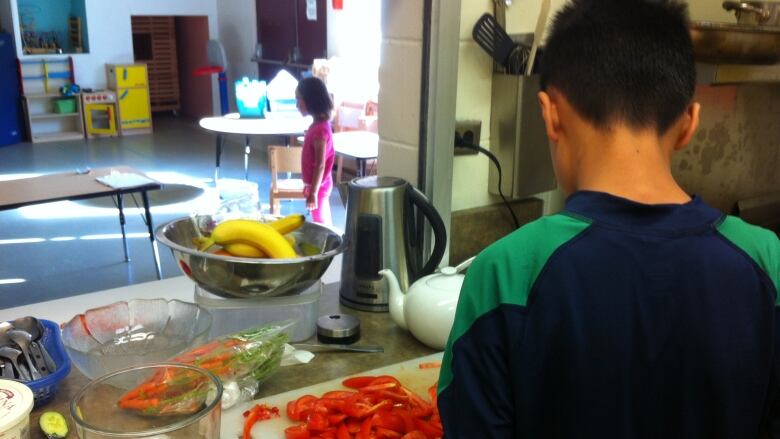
x=338 y=326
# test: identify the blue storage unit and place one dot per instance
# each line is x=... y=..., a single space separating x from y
x=10 y=122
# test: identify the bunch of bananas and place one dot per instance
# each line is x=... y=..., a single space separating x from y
x=254 y=239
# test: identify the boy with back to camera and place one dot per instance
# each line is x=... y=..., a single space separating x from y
x=638 y=311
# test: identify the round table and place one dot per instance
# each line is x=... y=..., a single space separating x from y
x=359 y=145
x=290 y=124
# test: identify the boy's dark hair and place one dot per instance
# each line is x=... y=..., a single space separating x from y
x=628 y=61
x=316 y=97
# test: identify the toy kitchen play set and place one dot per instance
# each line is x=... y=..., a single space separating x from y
x=100 y=111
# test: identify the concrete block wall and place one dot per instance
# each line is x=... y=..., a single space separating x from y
x=399 y=89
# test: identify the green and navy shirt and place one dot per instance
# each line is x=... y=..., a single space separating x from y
x=615 y=319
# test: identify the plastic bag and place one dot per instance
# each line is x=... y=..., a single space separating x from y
x=242 y=361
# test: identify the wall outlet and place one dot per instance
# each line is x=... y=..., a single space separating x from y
x=469 y=130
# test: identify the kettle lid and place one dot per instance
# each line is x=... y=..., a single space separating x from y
x=374 y=181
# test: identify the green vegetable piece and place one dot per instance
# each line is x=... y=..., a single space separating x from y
x=54 y=425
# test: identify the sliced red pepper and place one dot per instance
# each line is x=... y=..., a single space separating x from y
x=358 y=408
x=318 y=422
x=376 y=387
x=337 y=394
x=301 y=408
x=365 y=428
x=389 y=420
x=408 y=420
x=382 y=433
x=260 y=412
x=300 y=431
x=336 y=419
x=357 y=382
x=414 y=434
x=430 y=365
x=343 y=432
x=353 y=425
x=428 y=429
x=385 y=379
x=249 y=422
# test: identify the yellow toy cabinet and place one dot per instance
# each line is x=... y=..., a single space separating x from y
x=130 y=81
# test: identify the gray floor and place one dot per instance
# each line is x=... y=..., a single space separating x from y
x=64 y=249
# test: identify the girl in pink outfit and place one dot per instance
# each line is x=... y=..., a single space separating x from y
x=317 y=159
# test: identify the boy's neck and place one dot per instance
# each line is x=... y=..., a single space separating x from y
x=635 y=165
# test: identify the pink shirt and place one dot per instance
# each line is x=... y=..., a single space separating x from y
x=318 y=130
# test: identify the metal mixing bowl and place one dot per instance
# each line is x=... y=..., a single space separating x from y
x=232 y=277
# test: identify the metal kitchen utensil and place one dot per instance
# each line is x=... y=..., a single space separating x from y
x=12 y=355
x=23 y=339
x=34 y=327
x=735 y=43
x=35 y=352
x=8 y=371
x=489 y=34
x=755 y=13
x=337 y=347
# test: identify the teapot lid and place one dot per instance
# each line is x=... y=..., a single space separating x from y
x=447 y=278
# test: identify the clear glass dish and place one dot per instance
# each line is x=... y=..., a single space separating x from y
x=139 y=331
x=97 y=414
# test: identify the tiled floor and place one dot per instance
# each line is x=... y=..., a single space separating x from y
x=63 y=249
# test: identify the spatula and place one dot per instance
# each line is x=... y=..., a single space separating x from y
x=493 y=38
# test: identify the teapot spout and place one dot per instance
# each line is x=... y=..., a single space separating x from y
x=396 y=299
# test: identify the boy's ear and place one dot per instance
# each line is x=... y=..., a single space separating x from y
x=550 y=116
x=689 y=125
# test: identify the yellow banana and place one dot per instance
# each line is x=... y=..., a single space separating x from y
x=288 y=224
x=253 y=233
x=290 y=239
x=244 y=250
x=200 y=241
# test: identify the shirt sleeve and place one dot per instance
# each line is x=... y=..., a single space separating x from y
x=477 y=400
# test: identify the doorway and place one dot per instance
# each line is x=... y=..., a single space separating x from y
x=172 y=48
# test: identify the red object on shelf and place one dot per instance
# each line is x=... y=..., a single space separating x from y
x=338 y=4
x=208 y=70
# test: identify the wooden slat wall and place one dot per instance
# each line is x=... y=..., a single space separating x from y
x=163 y=67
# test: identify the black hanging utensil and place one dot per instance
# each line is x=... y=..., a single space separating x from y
x=489 y=34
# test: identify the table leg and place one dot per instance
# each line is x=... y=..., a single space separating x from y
x=150 y=226
x=361 y=167
x=120 y=205
x=220 y=142
x=246 y=159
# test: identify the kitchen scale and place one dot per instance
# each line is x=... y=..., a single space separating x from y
x=232 y=315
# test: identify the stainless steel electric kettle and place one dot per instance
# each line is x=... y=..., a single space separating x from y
x=383 y=232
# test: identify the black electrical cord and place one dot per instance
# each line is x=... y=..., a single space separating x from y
x=460 y=142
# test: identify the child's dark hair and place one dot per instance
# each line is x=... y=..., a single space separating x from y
x=316 y=97
x=628 y=61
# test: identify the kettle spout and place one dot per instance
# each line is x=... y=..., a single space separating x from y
x=396 y=298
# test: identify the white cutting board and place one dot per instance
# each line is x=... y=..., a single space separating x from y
x=408 y=372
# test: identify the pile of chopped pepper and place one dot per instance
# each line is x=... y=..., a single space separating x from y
x=378 y=407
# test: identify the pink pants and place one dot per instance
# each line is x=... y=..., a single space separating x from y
x=322 y=213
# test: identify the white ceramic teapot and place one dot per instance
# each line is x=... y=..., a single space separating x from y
x=427 y=310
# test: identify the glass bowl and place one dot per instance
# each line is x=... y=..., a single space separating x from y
x=189 y=406
x=235 y=277
x=140 y=331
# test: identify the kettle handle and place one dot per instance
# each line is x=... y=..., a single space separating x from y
x=439 y=232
